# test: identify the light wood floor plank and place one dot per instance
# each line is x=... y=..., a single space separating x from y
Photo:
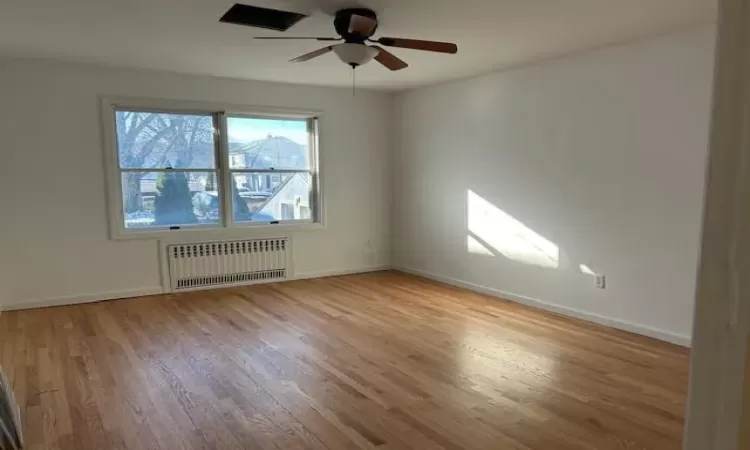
x=385 y=360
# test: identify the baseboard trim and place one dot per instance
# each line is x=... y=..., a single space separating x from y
x=661 y=335
x=83 y=298
x=338 y=273
x=156 y=290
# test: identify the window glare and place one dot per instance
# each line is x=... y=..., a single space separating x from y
x=248 y=129
x=149 y=140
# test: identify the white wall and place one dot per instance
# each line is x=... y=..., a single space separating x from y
x=52 y=200
x=602 y=154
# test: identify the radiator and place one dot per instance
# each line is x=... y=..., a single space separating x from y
x=207 y=264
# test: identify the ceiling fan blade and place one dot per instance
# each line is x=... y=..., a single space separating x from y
x=361 y=25
x=315 y=54
x=389 y=60
x=289 y=37
x=415 y=44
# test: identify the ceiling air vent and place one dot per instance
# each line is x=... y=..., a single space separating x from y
x=255 y=16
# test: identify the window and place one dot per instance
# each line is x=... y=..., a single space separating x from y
x=269 y=170
x=176 y=168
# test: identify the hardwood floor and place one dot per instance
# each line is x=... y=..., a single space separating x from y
x=382 y=360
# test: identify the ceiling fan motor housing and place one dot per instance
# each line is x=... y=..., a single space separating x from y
x=343 y=20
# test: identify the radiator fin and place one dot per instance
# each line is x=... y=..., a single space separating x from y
x=206 y=264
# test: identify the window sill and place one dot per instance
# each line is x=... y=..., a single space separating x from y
x=217 y=234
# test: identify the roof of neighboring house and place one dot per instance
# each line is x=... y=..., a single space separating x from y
x=273 y=152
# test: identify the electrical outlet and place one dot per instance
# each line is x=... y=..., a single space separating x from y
x=601 y=282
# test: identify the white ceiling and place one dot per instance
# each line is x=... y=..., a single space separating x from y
x=185 y=35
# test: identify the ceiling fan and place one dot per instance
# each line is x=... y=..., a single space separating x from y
x=355 y=27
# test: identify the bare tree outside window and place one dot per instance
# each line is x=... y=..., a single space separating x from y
x=156 y=140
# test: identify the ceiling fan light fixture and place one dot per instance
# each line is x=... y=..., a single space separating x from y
x=355 y=55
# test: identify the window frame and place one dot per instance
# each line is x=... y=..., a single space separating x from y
x=227 y=228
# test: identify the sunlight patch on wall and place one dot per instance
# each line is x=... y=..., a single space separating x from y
x=477 y=248
x=587 y=270
x=507 y=236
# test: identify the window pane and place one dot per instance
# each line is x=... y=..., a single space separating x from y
x=267 y=197
x=148 y=140
x=169 y=199
x=268 y=143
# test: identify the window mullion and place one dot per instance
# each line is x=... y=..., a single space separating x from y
x=225 y=175
x=314 y=155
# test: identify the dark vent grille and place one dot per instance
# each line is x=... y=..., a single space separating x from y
x=255 y=16
x=216 y=280
x=227 y=248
